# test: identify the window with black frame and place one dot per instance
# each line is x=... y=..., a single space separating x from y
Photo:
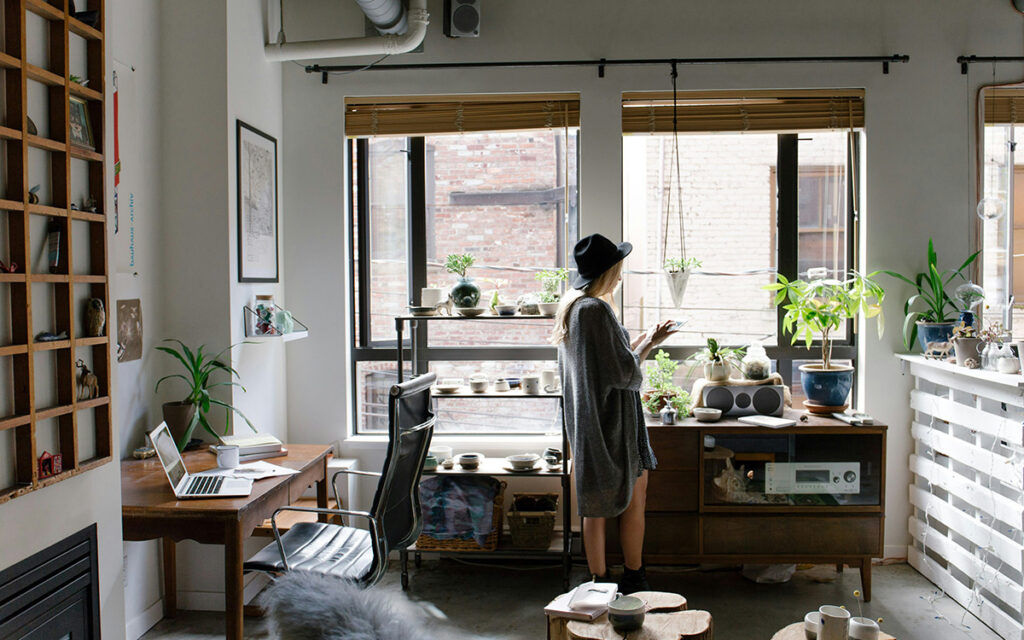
x=751 y=185
x=491 y=176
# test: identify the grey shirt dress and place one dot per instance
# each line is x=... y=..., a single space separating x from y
x=601 y=380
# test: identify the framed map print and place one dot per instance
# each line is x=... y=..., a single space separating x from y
x=257 y=204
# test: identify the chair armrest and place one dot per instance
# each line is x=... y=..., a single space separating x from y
x=334 y=480
x=277 y=534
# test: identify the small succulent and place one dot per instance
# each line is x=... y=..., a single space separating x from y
x=459 y=263
x=964 y=330
x=682 y=264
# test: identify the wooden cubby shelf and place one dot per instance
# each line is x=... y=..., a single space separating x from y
x=86 y=154
x=47 y=210
x=11 y=422
x=83 y=30
x=85 y=92
x=51 y=345
x=44 y=76
x=44 y=9
x=44 y=143
x=81 y=246
x=13 y=349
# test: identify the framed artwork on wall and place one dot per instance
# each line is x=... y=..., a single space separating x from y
x=256 y=162
x=78 y=124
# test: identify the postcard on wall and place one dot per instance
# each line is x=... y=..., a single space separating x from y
x=129 y=330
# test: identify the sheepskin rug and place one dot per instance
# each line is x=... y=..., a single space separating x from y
x=304 y=606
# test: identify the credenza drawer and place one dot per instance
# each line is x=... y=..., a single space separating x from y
x=672 y=491
x=667 y=535
x=677 y=448
x=792 y=535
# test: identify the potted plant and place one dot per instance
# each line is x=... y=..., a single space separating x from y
x=966 y=345
x=551 y=289
x=933 y=323
x=183 y=416
x=662 y=390
x=465 y=293
x=815 y=309
x=718 y=361
x=677 y=272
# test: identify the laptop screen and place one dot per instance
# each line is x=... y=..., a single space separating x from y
x=169 y=456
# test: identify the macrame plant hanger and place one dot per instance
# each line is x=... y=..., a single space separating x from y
x=677 y=278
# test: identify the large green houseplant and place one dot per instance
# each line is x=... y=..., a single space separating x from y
x=815 y=309
x=931 y=312
x=193 y=410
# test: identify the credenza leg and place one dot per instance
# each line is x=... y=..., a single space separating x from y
x=865 y=578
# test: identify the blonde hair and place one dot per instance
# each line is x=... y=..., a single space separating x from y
x=601 y=287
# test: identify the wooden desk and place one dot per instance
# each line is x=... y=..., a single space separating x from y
x=149 y=510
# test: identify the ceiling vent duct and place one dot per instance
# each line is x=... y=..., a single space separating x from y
x=389 y=18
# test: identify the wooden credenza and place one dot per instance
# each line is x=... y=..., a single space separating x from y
x=690 y=521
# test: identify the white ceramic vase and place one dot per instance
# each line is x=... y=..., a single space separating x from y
x=835 y=623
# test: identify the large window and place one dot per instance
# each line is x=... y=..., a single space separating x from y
x=756 y=200
x=509 y=198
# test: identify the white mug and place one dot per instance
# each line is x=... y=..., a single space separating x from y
x=531 y=384
x=835 y=623
x=431 y=296
x=549 y=380
x=227 y=455
x=863 y=629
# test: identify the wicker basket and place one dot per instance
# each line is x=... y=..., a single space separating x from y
x=428 y=543
x=532 y=529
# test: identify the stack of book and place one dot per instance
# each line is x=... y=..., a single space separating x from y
x=255 y=446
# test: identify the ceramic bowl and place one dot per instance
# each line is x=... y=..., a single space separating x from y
x=470 y=312
x=429 y=463
x=505 y=309
x=441 y=452
x=422 y=311
x=523 y=460
x=442 y=387
x=812 y=625
x=626 y=613
x=478 y=386
x=529 y=309
x=706 y=414
x=547 y=308
x=501 y=385
x=513 y=383
x=469 y=461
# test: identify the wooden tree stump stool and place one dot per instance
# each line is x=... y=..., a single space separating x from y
x=795 y=631
x=667 y=619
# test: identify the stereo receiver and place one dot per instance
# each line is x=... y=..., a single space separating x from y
x=812 y=477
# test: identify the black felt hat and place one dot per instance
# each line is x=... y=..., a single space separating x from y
x=594 y=255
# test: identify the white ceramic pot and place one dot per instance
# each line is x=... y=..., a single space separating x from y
x=835 y=623
x=717 y=371
x=863 y=629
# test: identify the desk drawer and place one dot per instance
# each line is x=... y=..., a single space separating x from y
x=793 y=535
x=677 y=448
x=672 y=490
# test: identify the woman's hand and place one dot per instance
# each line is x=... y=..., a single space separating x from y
x=661 y=331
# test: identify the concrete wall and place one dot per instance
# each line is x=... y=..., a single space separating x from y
x=917 y=151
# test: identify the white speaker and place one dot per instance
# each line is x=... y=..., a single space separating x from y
x=462 y=18
x=766 y=400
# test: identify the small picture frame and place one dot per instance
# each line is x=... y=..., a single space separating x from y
x=79 y=129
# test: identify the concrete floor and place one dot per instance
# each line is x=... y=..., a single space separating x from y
x=506 y=603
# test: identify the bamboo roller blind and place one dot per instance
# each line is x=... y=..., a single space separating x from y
x=459 y=113
x=706 y=111
x=1004 y=106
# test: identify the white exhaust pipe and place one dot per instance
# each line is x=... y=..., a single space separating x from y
x=417 y=19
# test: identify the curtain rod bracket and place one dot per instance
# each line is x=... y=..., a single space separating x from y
x=885 y=67
x=323 y=77
x=600 y=68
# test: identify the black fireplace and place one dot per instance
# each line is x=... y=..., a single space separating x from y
x=53 y=595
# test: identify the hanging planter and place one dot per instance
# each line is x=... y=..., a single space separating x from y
x=677 y=274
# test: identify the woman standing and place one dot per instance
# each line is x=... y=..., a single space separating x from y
x=601 y=377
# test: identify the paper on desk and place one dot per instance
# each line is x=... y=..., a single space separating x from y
x=251 y=470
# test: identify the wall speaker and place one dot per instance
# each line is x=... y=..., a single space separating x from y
x=462 y=18
x=766 y=400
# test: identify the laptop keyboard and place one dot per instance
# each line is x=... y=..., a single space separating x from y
x=204 y=485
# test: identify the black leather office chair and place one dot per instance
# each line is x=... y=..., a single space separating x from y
x=357 y=554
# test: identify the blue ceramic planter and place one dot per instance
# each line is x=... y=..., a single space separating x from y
x=830 y=388
x=933 y=332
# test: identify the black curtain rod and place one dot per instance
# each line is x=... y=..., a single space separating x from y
x=324 y=70
x=963 y=61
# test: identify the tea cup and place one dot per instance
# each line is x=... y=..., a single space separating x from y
x=626 y=613
x=812 y=625
x=432 y=296
x=531 y=384
x=469 y=461
x=478 y=385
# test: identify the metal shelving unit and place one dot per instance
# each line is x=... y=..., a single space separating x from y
x=492 y=467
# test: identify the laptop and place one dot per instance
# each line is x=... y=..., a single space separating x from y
x=192 y=486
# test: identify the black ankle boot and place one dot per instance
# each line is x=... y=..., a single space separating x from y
x=607 y=577
x=633 y=580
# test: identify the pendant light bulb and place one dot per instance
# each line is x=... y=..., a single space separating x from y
x=992 y=208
